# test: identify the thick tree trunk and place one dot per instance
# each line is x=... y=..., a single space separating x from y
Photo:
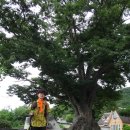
x=84 y=123
x=83 y=119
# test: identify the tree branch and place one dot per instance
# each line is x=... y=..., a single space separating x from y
x=75 y=104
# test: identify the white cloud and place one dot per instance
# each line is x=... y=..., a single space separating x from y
x=7 y=101
x=13 y=102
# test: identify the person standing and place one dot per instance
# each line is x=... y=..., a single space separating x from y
x=39 y=112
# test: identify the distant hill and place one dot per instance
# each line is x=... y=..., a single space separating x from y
x=125 y=100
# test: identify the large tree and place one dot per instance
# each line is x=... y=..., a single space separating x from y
x=81 y=48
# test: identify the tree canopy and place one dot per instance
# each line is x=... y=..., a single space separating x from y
x=81 y=48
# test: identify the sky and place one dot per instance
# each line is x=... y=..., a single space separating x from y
x=5 y=100
x=12 y=102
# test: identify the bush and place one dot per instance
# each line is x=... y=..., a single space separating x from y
x=126 y=127
x=61 y=126
x=69 y=118
x=13 y=118
x=5 y=124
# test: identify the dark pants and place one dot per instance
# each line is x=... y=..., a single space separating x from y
x=38 y=128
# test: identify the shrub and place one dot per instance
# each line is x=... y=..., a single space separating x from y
x=5 y=124
x=126 y=127
x=69 y=118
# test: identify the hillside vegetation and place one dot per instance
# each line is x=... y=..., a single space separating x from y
x=125 y=100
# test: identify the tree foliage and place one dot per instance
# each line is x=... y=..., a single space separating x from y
x=5 y=119
x=63 y=111
x=126 y=127
x=13 y=118
x=123 y=102
x=125 y=112
x=80 y=47
x=5 y=124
